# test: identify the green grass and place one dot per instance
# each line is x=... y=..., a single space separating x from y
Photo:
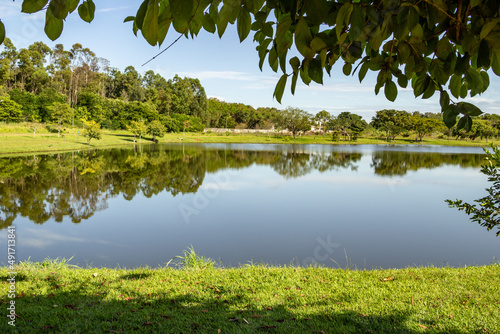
x=53 y=296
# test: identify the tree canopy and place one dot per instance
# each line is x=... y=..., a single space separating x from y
x=431 y=45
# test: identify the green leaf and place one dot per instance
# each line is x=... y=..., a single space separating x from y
x=223 y=19
x=469 y=109
x=317 y=44
x=32 y=6
x=486 y=80
x=455 y=85
x=280 y=88
x=450 y=115
x=357 y=22
x=495 y=61
x=208 y=23
x=347 y=68
x=402 y=81
x=86 y=11
x=412 y=18
x=488 y=26
x=362 y=71
x=421 y=85
x=2 y=32
x=294 y=81
x=283 y=35
x=129 y=18
x=404 y=51
x=273 y=59
x=181 y=9
x=150 y=26
x=141 y=12
x=316 y=71
x=164 y=21
x=267 y=29
x=343 y=17
x=295 y=63
x=465 y=123
x=58 y=8
x=244 y=24
x=53 y=26
x=444 y=99
x=391 y=91
x=303 y=38
x=474 y=79
x=72 y=5
x=443 y=48
x=483 y=55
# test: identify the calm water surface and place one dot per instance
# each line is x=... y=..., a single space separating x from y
x=363 y=206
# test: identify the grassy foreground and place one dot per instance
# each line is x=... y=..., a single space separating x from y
x=55 y=297
x=13 y=143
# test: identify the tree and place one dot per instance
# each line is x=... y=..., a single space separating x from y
x=34 y=126
x=60 y=112
x=10 y=111
x=294 y=120
x=138 y=129
x=92 y=131
x=423 y=126
x=322 y=117
x=487 y=210
x=439 y=46
x=393 y=122
x=156 y=129
x=347 y=124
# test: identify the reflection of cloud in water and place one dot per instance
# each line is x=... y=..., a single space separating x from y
x=352 y=180
x=225 y=186
x=42 y=239
x=272 y=183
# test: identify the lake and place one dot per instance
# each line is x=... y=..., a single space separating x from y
x=342 y=206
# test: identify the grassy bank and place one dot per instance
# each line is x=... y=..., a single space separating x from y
x=55 y=297
x=12 y=143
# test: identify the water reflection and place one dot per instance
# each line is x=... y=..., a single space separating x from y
x=77 y=185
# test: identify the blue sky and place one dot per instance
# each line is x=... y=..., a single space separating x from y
x=226 y=68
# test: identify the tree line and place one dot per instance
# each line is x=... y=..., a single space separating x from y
x=76 y=87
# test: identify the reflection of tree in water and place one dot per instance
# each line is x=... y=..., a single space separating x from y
x=389 y=163
x=295 y=164
x=76 y=185
x=291 y=164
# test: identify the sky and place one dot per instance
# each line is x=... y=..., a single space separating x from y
x=227 y=69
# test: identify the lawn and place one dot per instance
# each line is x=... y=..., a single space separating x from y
x=54 y=296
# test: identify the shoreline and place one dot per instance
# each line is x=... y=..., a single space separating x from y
x=18 y=144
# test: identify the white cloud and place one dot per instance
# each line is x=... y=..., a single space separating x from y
x=112 y=9
x=224 y=75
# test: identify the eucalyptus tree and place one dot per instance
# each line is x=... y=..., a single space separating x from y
x=430 y=46
x=323 y=118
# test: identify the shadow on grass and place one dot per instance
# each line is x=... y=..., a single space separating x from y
x=79 y=311
x=135 y=276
